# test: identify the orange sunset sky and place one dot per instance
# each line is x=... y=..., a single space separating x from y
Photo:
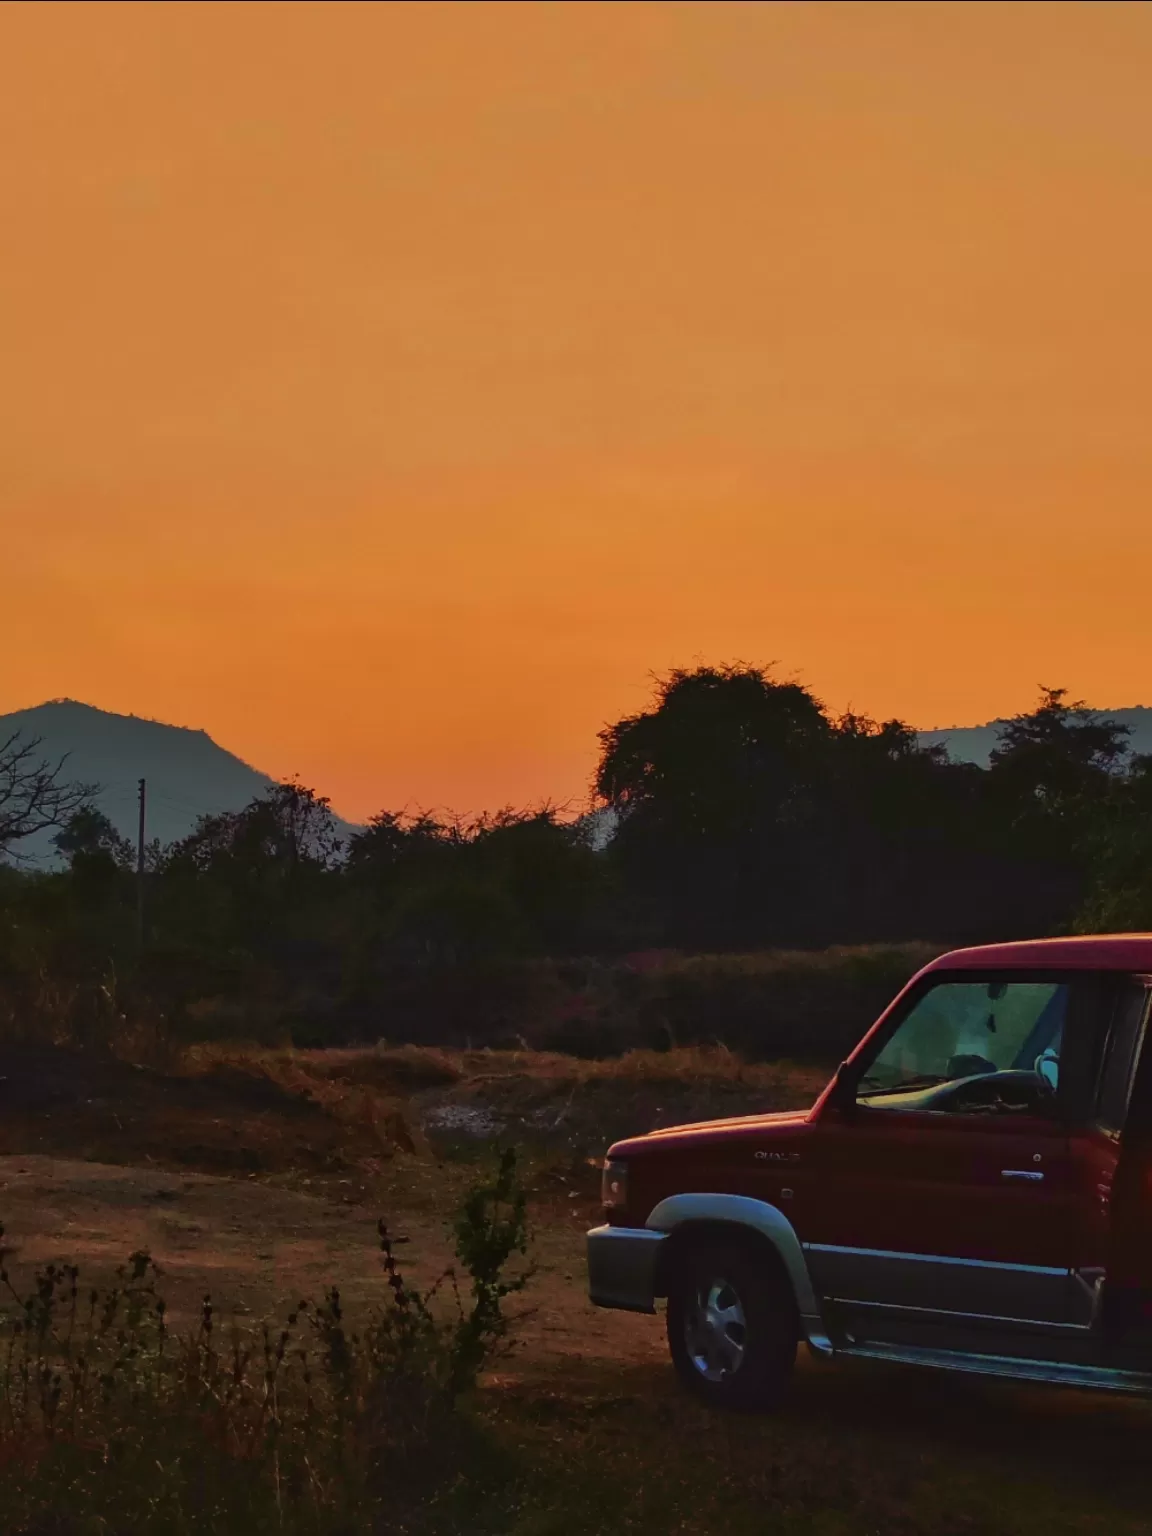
x=390 y=388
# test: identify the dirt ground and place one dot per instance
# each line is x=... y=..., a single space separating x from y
x=260 y=1182
x=257 y=1247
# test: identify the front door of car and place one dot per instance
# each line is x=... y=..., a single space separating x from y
x=946 y=1190
x=1111 y=1153
x=948 y=1213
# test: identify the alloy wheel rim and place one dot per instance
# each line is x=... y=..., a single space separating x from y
x=716 y=1331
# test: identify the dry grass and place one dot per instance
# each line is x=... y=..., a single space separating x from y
x=349 y=1114
x=409 y=1069
x=854 y=958
x=566 y=1108
x=854 y=1453
x=353 y=1088
x=362 y=1123
x=687 y=1065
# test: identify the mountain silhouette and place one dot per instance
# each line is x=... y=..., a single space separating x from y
x=188 y=774
x=974 y=743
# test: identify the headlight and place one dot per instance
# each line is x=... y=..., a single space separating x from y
x=614 y=1186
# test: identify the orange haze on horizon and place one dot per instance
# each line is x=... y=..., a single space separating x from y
x=391 y=389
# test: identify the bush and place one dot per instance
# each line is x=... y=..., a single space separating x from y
x=797 y=1004
x=111 y=1423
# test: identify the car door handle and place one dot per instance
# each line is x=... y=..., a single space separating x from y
x=1032 y=1175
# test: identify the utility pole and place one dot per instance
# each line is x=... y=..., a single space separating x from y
x=140 y=869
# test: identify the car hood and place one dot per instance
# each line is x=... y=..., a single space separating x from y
x=709 y=1130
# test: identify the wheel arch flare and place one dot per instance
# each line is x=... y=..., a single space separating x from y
x=680 y=1218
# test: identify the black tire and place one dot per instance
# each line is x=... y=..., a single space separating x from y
x=732 y=1325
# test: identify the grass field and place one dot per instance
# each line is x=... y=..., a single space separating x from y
x=258 y=1176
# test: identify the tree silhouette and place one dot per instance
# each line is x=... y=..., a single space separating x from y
x=508 y=882
x=1119 y=844
x=278 y=833
x=1055 y=756
x=33 y=795
x=748 y=815
x=90 y=835
x=720 y=743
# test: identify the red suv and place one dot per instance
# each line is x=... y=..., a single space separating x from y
x=972 y=1191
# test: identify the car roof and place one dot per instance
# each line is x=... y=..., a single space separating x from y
x=1090 y=952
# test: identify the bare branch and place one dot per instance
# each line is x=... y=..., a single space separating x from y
x=33 y=796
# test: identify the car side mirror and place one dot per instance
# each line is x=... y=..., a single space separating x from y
x=1048 y=1069
x=842 y=1095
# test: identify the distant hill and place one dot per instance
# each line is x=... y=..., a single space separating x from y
x=188 y=774
x=974 y=743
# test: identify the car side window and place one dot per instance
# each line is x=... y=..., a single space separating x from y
x=1121 y=1049
x=983 y=1046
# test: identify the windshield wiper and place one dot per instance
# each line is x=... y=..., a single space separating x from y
x=921 y=1080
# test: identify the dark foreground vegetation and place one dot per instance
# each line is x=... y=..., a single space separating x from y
x=747 y=821
x=312 y=1428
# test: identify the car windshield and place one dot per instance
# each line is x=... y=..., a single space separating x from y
x=961 y=1029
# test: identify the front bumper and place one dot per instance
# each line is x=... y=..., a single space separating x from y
x=622 y=1267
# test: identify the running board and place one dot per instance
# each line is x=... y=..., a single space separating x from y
x=1011 y=1367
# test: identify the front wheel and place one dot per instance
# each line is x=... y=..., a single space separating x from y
x=732 y=1326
